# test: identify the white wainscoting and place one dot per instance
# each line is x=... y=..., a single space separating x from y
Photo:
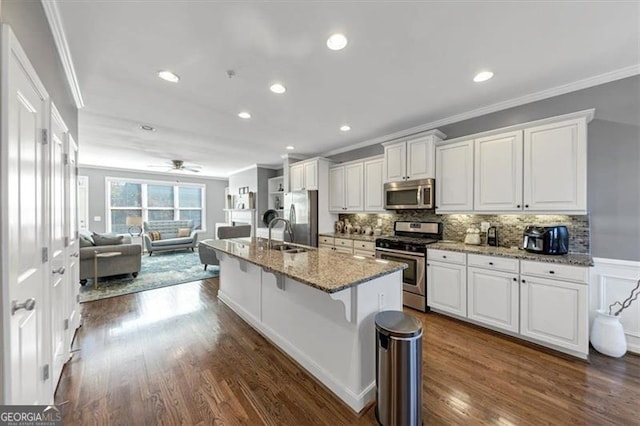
x=611 y=281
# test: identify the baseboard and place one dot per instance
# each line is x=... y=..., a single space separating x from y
x=612 y=280
x=357 y=402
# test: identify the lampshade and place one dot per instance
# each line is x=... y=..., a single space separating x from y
x=134 y=221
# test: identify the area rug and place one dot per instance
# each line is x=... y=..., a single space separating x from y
x=160 y=270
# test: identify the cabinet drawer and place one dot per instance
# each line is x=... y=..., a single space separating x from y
x=326 y=246
x=493 y=262
x=555 y=271
x=364 y=245
x=346 y=250
x=447 y=256
x=343 y=242
x=326 y=240
x=364 y=253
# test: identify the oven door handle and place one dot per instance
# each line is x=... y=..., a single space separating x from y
x=401 y=253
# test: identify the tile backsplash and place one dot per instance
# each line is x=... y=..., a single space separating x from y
x=510 y=227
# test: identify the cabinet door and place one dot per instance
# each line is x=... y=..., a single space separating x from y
x=395 y=158
x=555 y=167
x=493 y=298
x=454 y=177
x=554 y=312
x=447 y=287
x=373 y=185
x=353 y=196
x=311 y=175
x=336 y=189
x=296 y=180
x=421 y=158
x=498 y=172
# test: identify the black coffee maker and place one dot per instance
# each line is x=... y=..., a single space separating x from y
x=546 y=239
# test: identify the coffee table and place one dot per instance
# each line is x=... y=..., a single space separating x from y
x=96 y=256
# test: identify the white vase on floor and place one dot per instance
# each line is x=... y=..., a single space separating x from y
x=607 y=335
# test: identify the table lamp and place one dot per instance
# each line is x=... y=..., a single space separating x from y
x=135 y=224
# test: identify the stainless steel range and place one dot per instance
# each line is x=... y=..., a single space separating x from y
x=409 y=245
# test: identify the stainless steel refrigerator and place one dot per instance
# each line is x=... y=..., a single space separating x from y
x=301 y=208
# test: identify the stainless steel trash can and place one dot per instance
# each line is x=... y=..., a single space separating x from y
x=398 y=369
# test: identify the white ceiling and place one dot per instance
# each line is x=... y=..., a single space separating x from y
x=406 y=64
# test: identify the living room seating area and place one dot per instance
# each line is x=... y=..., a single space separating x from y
x=169 y=235
x=125 y=257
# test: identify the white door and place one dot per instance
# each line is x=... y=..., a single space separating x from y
x=454 y=177
x=447 y=287
x=311 y=175
x=373 y=185
x=555 y=167
x=554 y=312
x=354 y=199
x=336 y=189
x=83 y=202
x=24 y=265
x=421 y=158
x=498 y=172
x=296 y=180
x=395 y=158
x=58 y=248
x=73 y=249
x=493 y=298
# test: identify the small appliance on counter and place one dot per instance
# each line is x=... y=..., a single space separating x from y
x=472 y=237
x=546 y=239
x=492 y=236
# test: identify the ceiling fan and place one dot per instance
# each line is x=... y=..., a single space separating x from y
x=179 y=166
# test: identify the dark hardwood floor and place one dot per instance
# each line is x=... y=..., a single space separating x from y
x=177 y=355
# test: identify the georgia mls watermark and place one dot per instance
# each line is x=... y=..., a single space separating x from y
x=30 y=415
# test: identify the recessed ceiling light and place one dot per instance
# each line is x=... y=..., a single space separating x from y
x=244 y=114
x=345 y=128
x=169 y=76
x=147 y=128
x=483 y=76
x=278 y=88
x=290 y=147
x=336 y=42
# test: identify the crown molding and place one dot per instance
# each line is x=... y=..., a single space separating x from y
x=60 y=38
x=522 y=100
x=152 y=172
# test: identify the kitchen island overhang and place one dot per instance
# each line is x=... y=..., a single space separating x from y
x=317 y=306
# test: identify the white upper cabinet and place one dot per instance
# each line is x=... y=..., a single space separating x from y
x=296 y=180
x=304 y=176
x=454 y=177
x=555 y=167
x=373 y=185
x=412 y=159
x=498 y=172
x=346 y=188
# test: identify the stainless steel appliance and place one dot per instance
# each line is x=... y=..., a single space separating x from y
x=413 y=195
x=409 y=245
x=301 y=208
x=546 y=239
x=492 y=236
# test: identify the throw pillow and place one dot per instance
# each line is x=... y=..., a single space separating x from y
x=184 y=232
x=84 y=242
x=154 y=235
x=107 y=239
x=87 y=235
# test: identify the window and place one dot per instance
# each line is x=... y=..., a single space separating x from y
x=153 y=201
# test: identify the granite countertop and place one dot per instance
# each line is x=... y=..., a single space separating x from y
x=322 y=269
x=567 y=259
x=358 y=237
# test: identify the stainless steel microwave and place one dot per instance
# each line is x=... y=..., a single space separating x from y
x=410 y=195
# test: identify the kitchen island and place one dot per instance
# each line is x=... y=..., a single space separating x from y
x=316 y=306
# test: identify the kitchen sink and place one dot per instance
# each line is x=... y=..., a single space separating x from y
x=288 y=248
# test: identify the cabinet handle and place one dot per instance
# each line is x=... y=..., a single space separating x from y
x=428 y=264
x=515 y=279
x=526 y=206
x=444 y=257
x=491 y=263
x=523 y=281
x=552 y=272
x=518 y=206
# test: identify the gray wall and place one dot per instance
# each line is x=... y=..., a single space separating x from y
x=256 y=178
x=30 y=25
x=613 y=185
x=97 y=198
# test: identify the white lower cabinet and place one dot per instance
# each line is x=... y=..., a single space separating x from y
x=493 y=298
x=447 y=287
x=555 y=312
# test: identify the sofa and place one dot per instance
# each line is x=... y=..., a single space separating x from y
x=162 y=235
x=128 y=262
x=208 y=255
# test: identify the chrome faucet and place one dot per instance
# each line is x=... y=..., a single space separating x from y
x=287 y=228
